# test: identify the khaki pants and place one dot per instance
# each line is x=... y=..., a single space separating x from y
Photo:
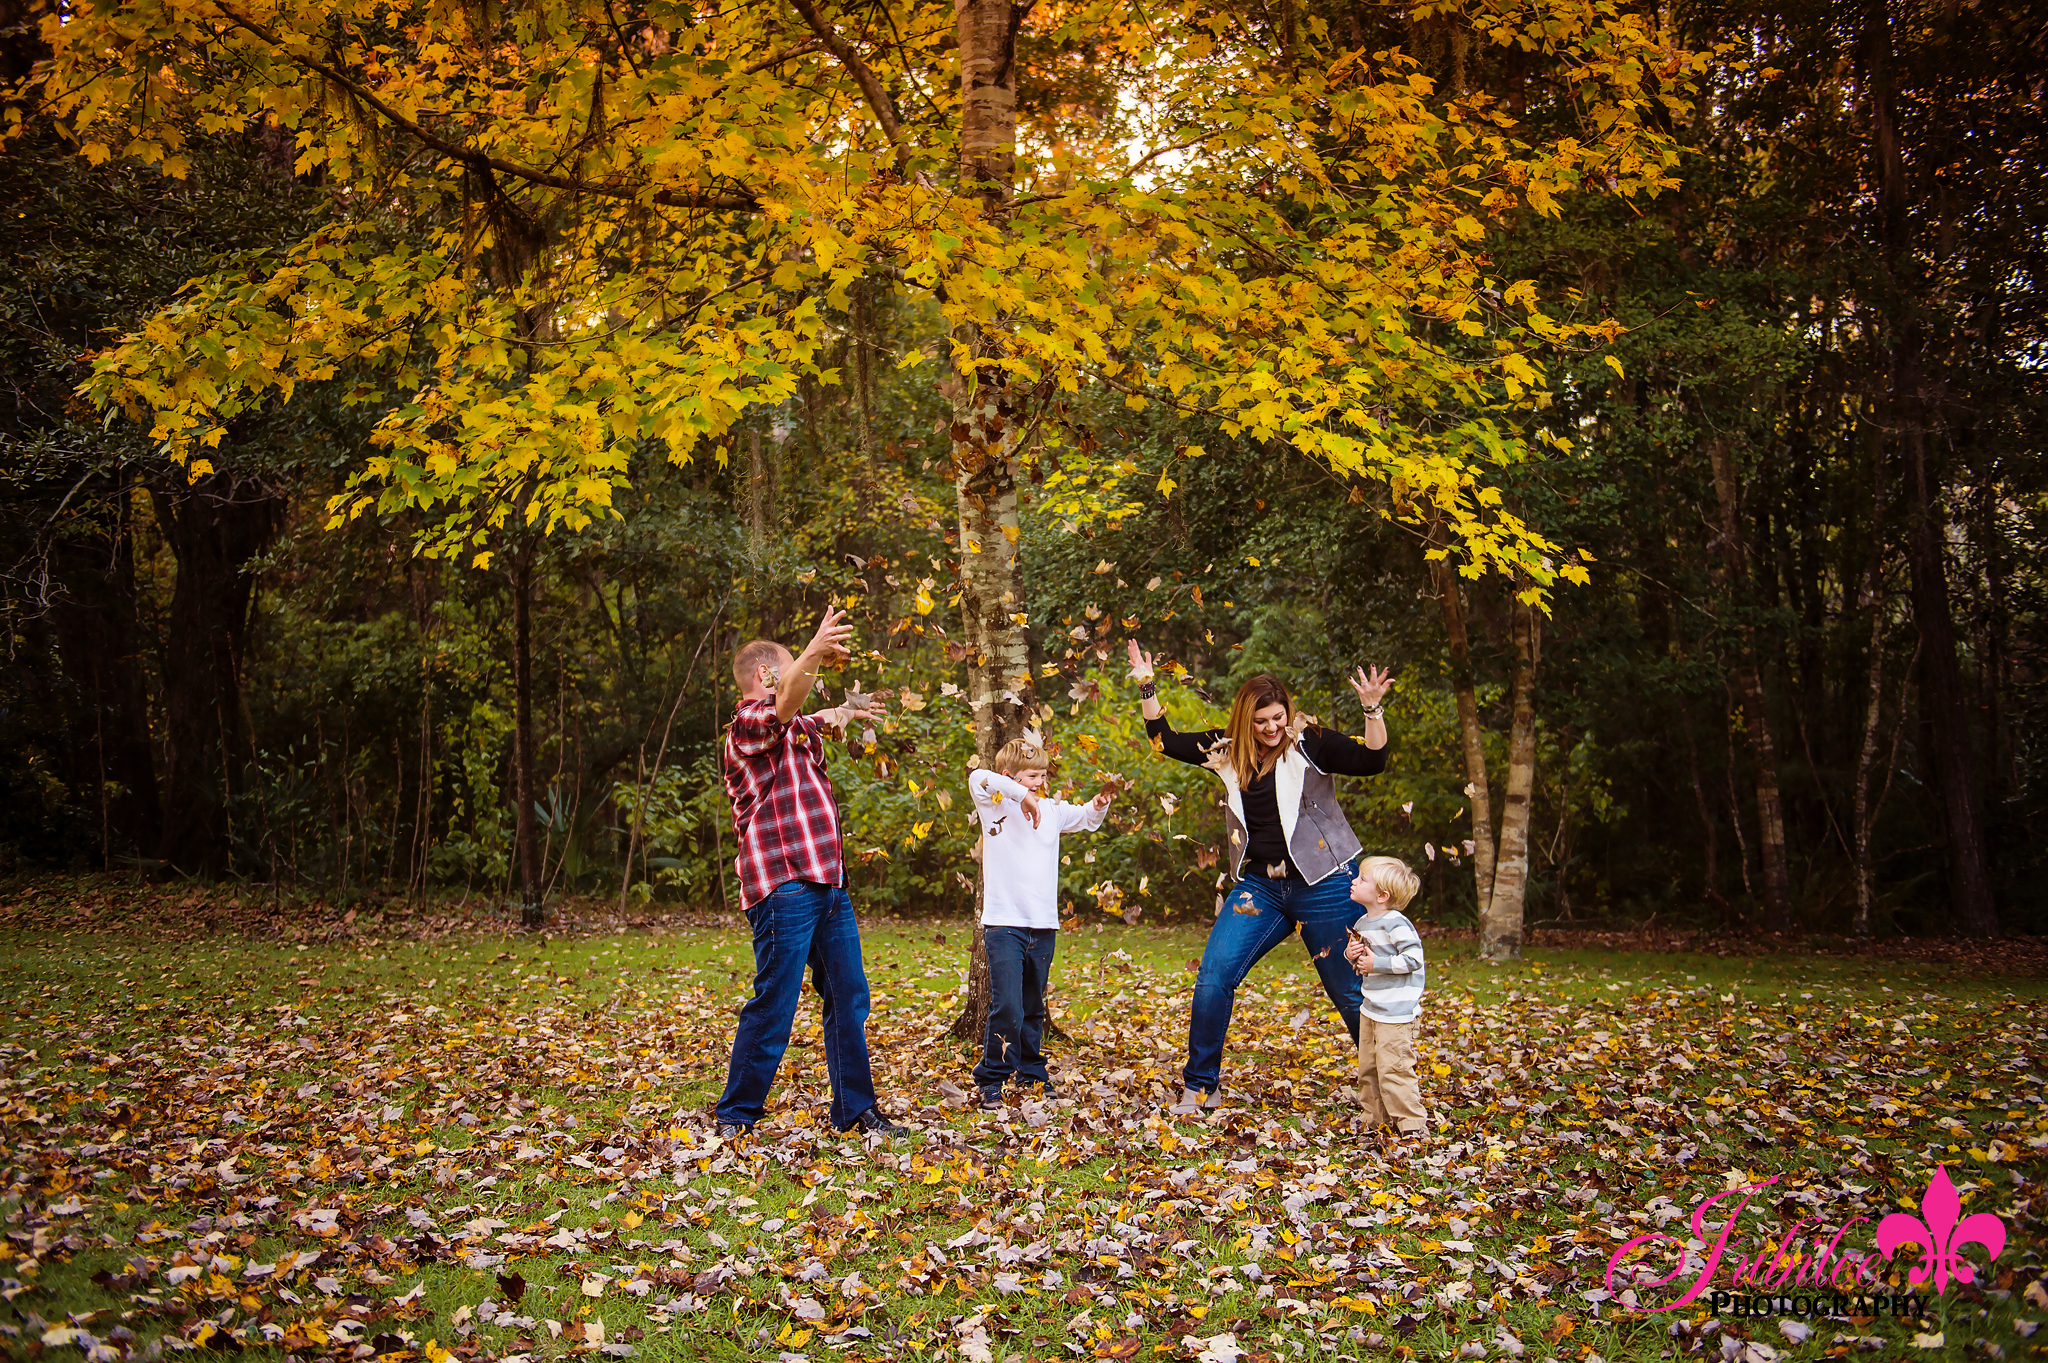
x=1386 y=1075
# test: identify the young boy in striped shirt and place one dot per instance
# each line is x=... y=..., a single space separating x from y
x=1386 y=949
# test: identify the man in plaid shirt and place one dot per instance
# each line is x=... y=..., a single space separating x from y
x=793 y=880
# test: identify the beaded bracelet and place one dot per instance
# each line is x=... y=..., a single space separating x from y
x=1148 y=689
x=1374 y=711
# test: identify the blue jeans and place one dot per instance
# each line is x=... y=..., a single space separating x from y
x=1019 y=963
x=801 y=924
x=1259 y=914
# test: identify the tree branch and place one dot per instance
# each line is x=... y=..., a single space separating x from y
x=870 y=87
x=800 y=50
x=478 y=160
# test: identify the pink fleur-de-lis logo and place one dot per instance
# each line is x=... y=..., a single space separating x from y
x=1941 y=1230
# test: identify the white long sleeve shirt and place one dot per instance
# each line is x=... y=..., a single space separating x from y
x=1020 y=864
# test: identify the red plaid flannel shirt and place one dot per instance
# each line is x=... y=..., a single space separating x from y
x=782 y=805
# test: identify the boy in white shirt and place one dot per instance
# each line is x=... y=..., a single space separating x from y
x=1387 y=950
x=1020 y=915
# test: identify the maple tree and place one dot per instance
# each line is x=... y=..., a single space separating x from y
x=390 y=737
x=563 y=234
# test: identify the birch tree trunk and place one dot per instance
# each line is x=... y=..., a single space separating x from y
x=993 y=623
x=1500 y=918
x=1749 y=681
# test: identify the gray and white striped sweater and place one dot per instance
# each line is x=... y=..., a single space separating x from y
x=1393 y=983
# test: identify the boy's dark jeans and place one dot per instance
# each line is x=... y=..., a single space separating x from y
x=1019 y=963
x=801 y=924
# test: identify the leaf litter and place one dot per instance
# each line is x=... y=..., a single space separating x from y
x=488 y=1146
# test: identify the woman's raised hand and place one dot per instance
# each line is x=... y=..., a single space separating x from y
x=1141 y=661
x=1371 y=687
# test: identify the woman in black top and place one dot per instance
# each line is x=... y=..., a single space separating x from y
x=1291 y=848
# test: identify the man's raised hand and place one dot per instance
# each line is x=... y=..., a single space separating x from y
x=829 y=643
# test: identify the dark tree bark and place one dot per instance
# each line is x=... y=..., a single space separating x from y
x=215 y=526
x=1471 y=733
x=1912 y=412
x=526 y=827
x=1943 y=696
x=1755 y=710
x=94 y=624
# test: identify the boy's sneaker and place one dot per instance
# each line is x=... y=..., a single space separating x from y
x=991 y=1099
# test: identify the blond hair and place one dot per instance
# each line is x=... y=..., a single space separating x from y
x=1021 y=754
x=1391 y=874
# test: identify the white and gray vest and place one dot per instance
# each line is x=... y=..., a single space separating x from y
x=1319 y=837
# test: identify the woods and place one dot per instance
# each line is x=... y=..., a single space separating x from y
x=414 y=407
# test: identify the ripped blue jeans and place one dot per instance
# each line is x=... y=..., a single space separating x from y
x=1259 y=914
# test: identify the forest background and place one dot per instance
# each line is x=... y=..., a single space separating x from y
x=1793 y=443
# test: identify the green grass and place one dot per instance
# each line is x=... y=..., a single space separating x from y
x=163 y=1078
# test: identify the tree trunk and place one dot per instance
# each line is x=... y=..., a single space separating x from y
x=1942 y=698
x=94 y=623
x=1866 y=758
x=1749 y=680
x=1000 y=686
x=1872 y=600
x=1450 y=596
x=526 y=838
x=1500 y=917
x=862 y=306
x=760 y=491
x=1711 y=852
x=214 y=527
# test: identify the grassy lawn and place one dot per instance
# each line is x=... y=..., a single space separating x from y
x=346 y=1141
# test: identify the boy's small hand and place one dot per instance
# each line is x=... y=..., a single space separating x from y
x=1031 y=809
x=1103 y=797
x=1360 y=956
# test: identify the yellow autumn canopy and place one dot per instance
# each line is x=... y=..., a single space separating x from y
x=568 y=230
